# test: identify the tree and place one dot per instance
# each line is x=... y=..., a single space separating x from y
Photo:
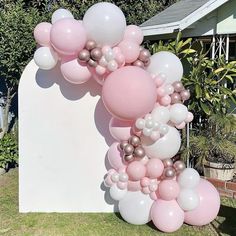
x=16 y=49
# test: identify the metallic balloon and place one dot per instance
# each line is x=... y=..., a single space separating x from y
x=179 y=166
x=147 y=62
x=144 y=55
x=138 y=63
x=139 y=152
x=128 y=149
x=175 y=98
x=96 y=54
x=128 y=158
x=90 y=45
x=92 y=63
x=167 y=163
x=134 y=141
x=84 y=55
x=169 y=173
x=123 y=144
x=178 y=86
x=185 y=95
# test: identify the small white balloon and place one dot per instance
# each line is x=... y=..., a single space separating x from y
x=61 y=14
x=161 y=114
x=164 y=129
x=140 y=123
x=189 y=178
x=147 y=132
x=168 y=64
x=169 y=89
x=116 y=193
x=45 y=58
x=112 y=65
x=149 y=124
x=188 y=199
x=135 y=208
x=178 y=113
x=115 y=177
x=109 y=55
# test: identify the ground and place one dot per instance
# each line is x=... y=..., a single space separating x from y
x=54 y=224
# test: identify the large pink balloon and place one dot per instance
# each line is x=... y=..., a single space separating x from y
x=129 y=93
x=75 y=72
x=167 y=216
x=68 y=36
x=42 y=33
x=130 y=50
x=115 y=157
x=120 y=129
x=209 y=205
x=133 y=33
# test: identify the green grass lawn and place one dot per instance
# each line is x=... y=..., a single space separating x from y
x=54 y=224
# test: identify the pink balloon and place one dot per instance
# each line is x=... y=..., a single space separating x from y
x=42 y=33
x=129 y=93
x=134 y=33
x=165 y=101
x=68 y=36
x=136 y=171
x=120 y=129
x=167 y=216
x=134 y=186
x=74 y=72
x=114 y=156
x=168 y=189
x=130 y=50
x=155 y=168
x=209 y=205
x=181 y=125
x=189 y=117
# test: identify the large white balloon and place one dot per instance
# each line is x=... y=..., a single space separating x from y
x=161 y=114
x=189 y=178
x=105 y=23
x=116 y=193
x=178 y=113
x=61 y=14
x=168 y=64
x=165 y=147
x=135 y=208
x=45 y=58
x=188 y=199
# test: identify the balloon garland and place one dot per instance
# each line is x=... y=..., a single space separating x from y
x=145 y=96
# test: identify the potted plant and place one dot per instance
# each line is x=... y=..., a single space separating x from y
x=214 y=147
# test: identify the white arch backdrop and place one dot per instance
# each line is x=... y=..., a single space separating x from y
x=62 y=127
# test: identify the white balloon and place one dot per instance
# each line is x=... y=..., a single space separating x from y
x=188 y=199
x=189 y=178
x=178 y=113
x=45 y=58
x=116 y=193
x=105 y=23
x=168 y=64
x=61 y=14
x=161 y=114
x=165 y=147
x=135 y=208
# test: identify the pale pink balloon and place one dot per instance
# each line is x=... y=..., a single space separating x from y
x=133 y=33
x=100 y=79
x=68 y=36
x=42 y=33
x=130 y=50
x=208 y=207
x=129 y=93
x=166 y=100
x=74 y=72
x=120 y=129
x=136 y=171
x=161 y=92
x=167 y=216
x=134 y=186
x=168 y=189
x=181 y=125
x=155 y=168
x=114 y=156
x=189 y=117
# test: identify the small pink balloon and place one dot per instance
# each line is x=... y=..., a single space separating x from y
x=167 y=216
x=168 y=189
x=122 y=185
x=120 y=129
x=161 y=92
x=74 y=72
x=145 y=181
x=153 y=196
x=181 y=125
x=42 y=33
x=208 y=207
x=100 y=70
x=68 y=36
x=189 y=117
x=129 y=93
x=115 y=156
x=159 y=81
x=134 y=186
x=120 y=59
x=134 y=33
x=130 y=50
x=155 y=168
x=108 y=182
x=166 y=100
x=136 y=171
x=146 y=190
